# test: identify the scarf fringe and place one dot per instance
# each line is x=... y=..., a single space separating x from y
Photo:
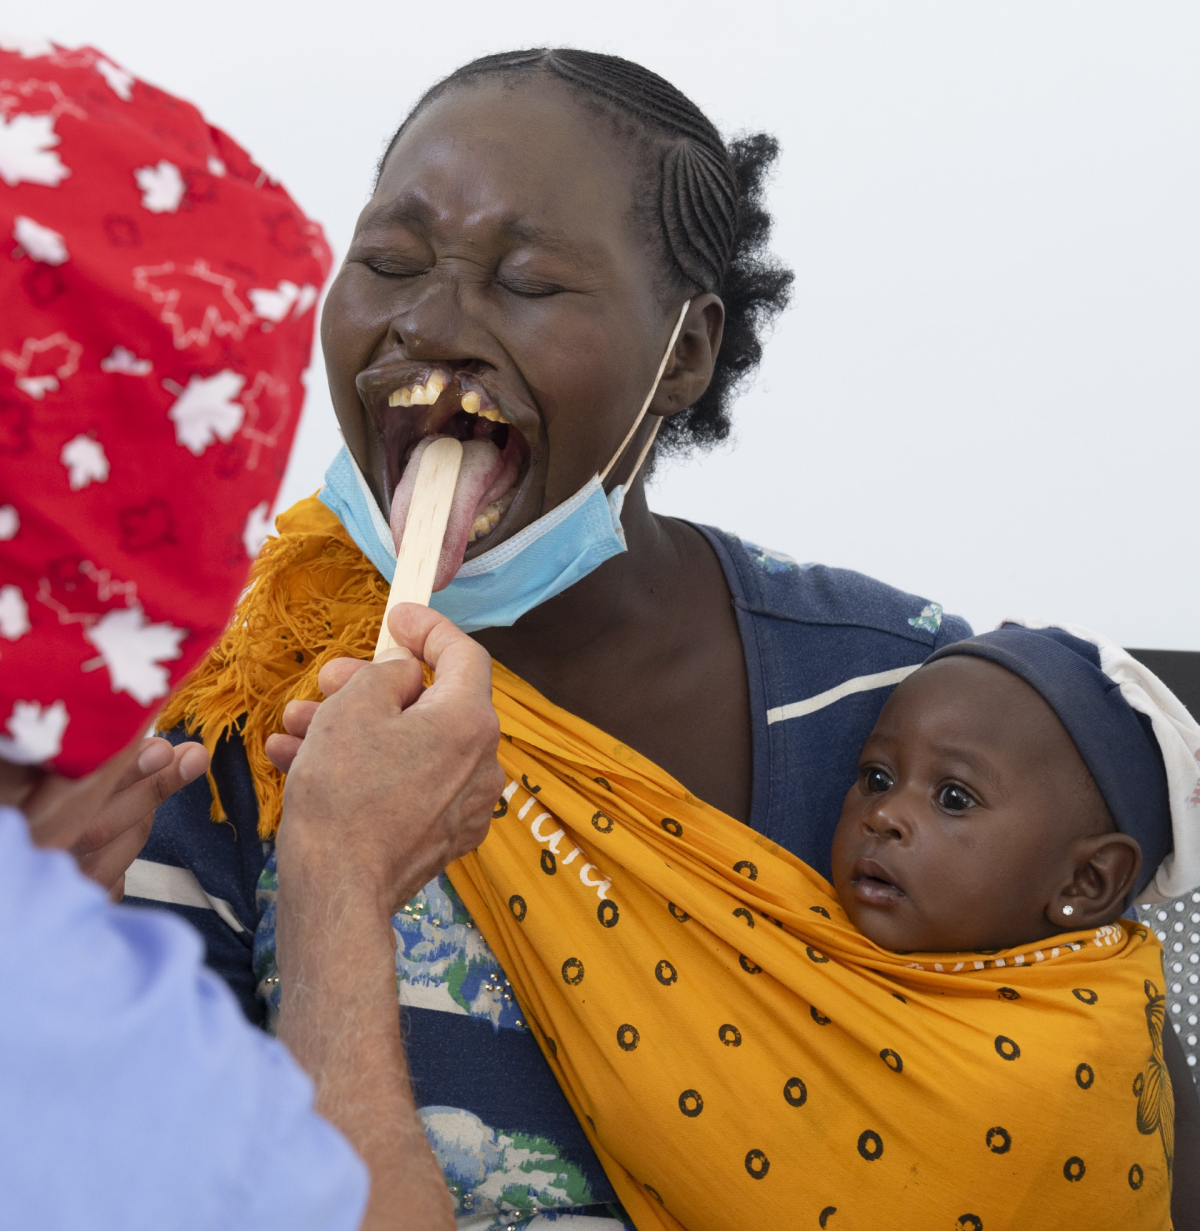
x=312 y=597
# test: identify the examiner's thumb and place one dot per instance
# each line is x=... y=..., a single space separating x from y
x=462 y=667
x=420 y=630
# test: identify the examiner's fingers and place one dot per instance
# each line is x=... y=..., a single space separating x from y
x=337 y=672
x=108 y=865
x=281 y=750
x=297 y=715
x=158 y=755
x=155 y=754
x=404 y=676
x=127 y=807
x=193 y=761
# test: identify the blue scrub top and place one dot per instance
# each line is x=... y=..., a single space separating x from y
x=133 y=1093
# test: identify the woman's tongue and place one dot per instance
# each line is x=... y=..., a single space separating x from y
x=485 y=475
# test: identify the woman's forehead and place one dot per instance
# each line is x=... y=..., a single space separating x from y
x=528 y=158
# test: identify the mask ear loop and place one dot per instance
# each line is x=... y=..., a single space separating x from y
x=662 y=367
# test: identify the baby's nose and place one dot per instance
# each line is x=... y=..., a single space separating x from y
x=889 y=821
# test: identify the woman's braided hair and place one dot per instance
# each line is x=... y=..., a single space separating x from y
x=704 y=200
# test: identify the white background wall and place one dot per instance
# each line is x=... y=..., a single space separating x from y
x=987 y=388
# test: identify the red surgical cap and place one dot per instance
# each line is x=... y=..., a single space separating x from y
x=156 y=317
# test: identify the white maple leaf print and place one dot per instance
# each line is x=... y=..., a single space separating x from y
x=29 y=47
x=34 y=732
x=42 y=363
x=119 y=81
x=126 y=362
x=133 y=650
x=14 y=613
x=162 y=187
x=206 y=411
x=27 y=153
x=10 y=523
x=305 y=300
x=274 y=305
x=41 y=243
x=258 y=529
x=196 y=302
x=85 y=461
x=215 y=165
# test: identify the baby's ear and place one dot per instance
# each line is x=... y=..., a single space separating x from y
x=1105 y=869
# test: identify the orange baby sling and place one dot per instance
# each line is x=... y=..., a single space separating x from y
x=739 y=1055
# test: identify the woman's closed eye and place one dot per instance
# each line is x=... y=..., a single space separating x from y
x=391 y=268
x=952 y=797
x=528 y=286
x=538 y=273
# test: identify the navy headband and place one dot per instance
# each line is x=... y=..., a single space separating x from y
x=1116 y=742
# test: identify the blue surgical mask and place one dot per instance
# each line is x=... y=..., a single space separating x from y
x=498 y=587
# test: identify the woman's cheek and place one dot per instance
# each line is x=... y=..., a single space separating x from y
x=335 y=331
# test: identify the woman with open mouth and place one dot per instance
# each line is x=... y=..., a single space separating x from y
x=558 y=240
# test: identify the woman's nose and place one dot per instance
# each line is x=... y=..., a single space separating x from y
x=433 y=323
x=430 y=324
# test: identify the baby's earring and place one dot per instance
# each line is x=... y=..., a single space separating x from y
x=1068 y=910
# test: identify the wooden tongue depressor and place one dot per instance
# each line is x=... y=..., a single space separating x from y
x=421 y=546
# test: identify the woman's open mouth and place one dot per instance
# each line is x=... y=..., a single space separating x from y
x=414 y=406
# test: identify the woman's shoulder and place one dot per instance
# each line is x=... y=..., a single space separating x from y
x=824 y=647
x=774 y=585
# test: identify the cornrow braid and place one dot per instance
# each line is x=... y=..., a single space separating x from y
x=704 y=196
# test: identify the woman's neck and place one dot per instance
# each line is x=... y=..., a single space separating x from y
x=647 y=648
x=625 y=594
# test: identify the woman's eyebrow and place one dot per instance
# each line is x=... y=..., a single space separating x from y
x=537 y=235
x=402 y=209
x=413 y=209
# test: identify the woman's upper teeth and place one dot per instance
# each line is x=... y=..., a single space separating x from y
x=419 y=395
x=433 y=388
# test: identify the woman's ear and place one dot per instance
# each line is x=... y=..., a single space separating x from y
x=690 y=367
x=1106 y=869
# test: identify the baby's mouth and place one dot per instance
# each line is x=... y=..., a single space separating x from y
x=412 y=407
x=873 y=885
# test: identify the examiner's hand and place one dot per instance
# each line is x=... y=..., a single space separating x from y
x=105 y=818
x=298 y=715
x=388 y=782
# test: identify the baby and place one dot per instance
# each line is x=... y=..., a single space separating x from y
x=1009 y=791
x=1025 y=783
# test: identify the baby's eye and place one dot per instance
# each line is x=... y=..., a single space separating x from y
x=954 y=798
x=877 y=780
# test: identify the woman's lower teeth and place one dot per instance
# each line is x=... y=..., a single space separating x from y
x=487 y=521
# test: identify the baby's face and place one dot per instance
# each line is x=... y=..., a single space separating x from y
x=971 y=811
